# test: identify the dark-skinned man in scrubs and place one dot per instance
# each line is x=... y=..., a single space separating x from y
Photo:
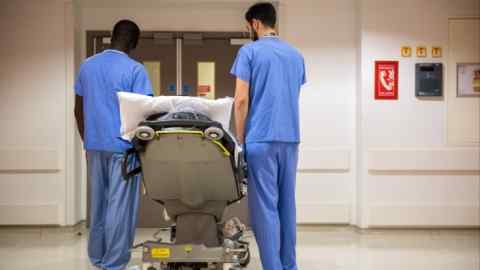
x=269 y=76
x=114 y=201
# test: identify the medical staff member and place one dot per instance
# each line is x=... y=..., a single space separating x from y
x=114 y=201
x=269 y=75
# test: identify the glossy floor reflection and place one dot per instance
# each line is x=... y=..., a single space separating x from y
x=320 y=248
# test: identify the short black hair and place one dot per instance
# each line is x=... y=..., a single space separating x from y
x=264 y=12
x=126 y=33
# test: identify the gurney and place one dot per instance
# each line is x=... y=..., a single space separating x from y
x=194 y=168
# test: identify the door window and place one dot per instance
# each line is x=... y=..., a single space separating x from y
x=153 y=70
x=206 y=79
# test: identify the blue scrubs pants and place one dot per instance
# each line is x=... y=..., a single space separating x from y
x=272 y=171
x=113 y=210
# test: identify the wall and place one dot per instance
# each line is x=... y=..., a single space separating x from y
x=410 y=175
x=326 y=177
x=35 y=156
x=463 y=127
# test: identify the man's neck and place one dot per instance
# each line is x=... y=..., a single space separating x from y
x=266 y=32
x=120 y=48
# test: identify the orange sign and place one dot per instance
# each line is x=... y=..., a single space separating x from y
x=203 y=90
x=437 y=52
x=421 y=51
x=406 y=51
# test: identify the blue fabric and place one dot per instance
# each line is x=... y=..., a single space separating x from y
x=101 y=77
x=275 y=72
x=113 y=210
x=272 y=171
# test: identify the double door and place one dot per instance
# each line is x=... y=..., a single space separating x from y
x=182 y=64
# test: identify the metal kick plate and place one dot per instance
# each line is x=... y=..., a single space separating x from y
x=169 y=253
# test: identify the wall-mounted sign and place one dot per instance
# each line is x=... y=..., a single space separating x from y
x=106 y=40
x=406 y=51
x=172 y=88
x=437 y=52
x=203 y=90
x=187 y=89
x=468 y=80
x=421 y=51
x=386 y=79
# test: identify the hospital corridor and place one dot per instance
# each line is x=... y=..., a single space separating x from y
x=240 y=135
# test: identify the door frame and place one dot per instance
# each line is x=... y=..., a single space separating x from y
x=92 y=35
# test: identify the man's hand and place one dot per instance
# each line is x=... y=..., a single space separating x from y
x=79 y=114
x=241 y=108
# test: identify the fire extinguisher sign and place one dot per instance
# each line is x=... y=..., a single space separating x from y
x=386 y=79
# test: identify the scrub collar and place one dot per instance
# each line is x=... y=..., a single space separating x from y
x=270 y=35
x=114 y=51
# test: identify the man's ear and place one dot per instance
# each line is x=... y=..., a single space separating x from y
x=255 y=24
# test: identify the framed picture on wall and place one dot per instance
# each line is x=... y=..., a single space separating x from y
x=468 y=80
x=386 y=80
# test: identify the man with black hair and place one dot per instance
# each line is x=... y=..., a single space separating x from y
x=114 y=201
x=269 y=75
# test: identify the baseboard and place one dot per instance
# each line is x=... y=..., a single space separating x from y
x=316 y=213
x=424 y=216
x=29 y=214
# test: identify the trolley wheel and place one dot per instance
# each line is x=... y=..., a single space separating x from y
x=145 y=133
x=214 y=133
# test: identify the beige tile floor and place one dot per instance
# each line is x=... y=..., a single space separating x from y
x=319 y=248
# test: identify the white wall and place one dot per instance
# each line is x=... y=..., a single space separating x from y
x=325 y=32
x=409 y=174
x=35 y=157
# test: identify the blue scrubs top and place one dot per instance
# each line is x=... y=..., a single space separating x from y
x=275 y=72
x=101 y=77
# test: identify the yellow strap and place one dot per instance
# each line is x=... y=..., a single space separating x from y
x=191 y=132
x=196 y=133
x=222 y=148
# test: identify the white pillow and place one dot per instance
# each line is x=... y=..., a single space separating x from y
x=135 y=108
